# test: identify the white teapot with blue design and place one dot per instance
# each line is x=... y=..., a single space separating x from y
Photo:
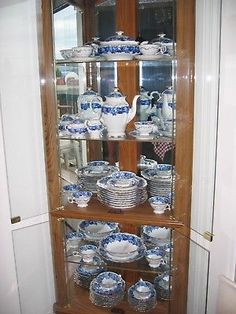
x=89 y=105
x=116 y=113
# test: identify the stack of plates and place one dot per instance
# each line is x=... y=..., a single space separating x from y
x=86 y=272
x=107 y=289
x=122 y=189
x=92 y=172
x=160 y=179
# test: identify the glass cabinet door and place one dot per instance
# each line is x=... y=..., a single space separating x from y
x=124 y=143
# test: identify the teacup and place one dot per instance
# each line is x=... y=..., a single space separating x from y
x=68 y=190
x=81 y=198
x=73 y=239
x=159 y=203
x=87 y=252
x=154 y=257
x=95 y=128
x=144 y=127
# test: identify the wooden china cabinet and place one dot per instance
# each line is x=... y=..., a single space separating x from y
x=128 y=76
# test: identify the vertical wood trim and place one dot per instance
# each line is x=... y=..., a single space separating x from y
x=48 y=100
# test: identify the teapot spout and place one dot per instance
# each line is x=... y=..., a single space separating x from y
x=133 y=109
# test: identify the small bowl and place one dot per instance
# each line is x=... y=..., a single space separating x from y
x=155 y=236
x=81 y=198
x=66 y=53
x=82 y=51
x=149 y=49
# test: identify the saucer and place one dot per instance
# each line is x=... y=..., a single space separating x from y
x=152 y=57
x=84 y=59
x=137 y=135
x=119 y=56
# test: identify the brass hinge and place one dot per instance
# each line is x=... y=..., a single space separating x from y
x=15 y=219
x=208 y=236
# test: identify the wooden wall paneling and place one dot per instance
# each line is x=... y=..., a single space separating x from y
x=126 y=20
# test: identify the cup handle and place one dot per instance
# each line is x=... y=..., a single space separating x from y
x=168 y=207
x=70 y=199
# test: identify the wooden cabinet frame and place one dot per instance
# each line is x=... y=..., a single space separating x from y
x=127 y=13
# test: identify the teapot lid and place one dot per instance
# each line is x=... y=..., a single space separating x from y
x=161 y=39
x=116 y=93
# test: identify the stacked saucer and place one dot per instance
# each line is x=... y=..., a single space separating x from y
x=122 y=189
x=107 y=289
x=93 y=171
x=160 y=179
x=86 y=272
x=142 y=296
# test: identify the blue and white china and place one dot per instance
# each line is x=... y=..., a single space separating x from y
x=163 y=285
x=82 y=51
x=92 y=172
x=86 y=272
x=67 y=191
x=73 y=239
x=77 y=129
x=89 y=105
x=95 y=230
x=107 y=289
x=118 y=47
x=142 y=296
x=155 y=257
x=116 y=113
x=166 y=43
x=124 y=190
x=66 y=53
x=166 y=105
x=87 y=252
x=144 y=127
x=159 y=204
x=146 y=163
x=160 y=171
x=67 y=118
x=144 y=103
x=121 y=247
x=122 y=178
x=149 y=49
x=95 y=128
x=155 y=236
x=81 y=198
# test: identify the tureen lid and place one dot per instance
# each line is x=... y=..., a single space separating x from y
x=119 y=39
x=161 y=39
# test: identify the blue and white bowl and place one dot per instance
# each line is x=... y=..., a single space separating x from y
x=155 y=235
x=118 y=47
x=122 y=247
x=160 y=171
x=142 y=296
x=96 y=230
x=81 y=198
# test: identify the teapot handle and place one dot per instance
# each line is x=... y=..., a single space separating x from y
x=155 y=92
